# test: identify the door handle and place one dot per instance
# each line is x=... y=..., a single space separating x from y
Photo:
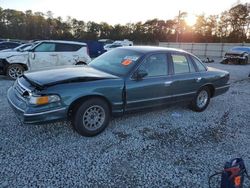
x=198 y=79
x=53 y=54
x=168 y=83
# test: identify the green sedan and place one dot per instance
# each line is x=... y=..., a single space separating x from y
x=120 y=81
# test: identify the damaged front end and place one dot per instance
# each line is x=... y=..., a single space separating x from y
x=235 y=58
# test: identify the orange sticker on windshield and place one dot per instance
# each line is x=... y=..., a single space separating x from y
x=127 y=62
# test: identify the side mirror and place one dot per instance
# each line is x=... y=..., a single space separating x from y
x=139 y=74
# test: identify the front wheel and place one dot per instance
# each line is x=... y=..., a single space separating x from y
x=92 y=117
x=14 y=71
x=201 y=100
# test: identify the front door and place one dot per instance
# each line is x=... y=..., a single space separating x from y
x=43 y=56
x=153 y=89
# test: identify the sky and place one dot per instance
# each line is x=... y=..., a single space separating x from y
x=122 y=12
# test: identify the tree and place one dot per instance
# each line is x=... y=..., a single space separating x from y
x=232 y=25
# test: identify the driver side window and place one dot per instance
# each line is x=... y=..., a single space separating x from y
x=155 y=65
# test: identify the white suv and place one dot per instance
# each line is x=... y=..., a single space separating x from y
x=45 y=54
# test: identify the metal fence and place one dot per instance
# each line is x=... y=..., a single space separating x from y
x=216 y=50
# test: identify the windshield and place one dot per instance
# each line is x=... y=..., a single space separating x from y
x=118 y=61
x=22 y=47
x=27 y=48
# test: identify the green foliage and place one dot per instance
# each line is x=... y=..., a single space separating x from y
x=231 y=26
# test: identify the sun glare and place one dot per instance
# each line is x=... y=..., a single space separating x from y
x=190 y=19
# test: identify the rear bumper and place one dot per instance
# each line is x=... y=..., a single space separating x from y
x=28 y=115
x=221 y=90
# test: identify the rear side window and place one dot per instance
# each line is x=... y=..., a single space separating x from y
x=181 y=64
x=45 y=47
x=199 y=64
x=68 y=47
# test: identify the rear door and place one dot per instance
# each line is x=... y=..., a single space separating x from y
x=67 y=53
x=43 y=56
x=186 y=80
x=153 y=89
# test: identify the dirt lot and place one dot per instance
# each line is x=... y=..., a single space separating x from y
x=170 y=147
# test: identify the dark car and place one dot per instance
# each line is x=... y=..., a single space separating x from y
x=9 y=45
x=120 y=81
x=237 y=55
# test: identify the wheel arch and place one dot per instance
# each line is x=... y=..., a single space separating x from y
x=9 y=64
x=211 y=88
x=81 y=63
x=77 y=102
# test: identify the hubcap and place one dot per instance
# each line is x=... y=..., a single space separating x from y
x=15 y=72
x=202 y=99
x=93 y=117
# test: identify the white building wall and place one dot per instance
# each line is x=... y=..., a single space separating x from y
x=216 y=50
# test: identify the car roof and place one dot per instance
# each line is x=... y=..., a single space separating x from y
x=149 y=49
x=64 y=42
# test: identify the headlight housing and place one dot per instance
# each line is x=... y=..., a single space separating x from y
x=41 y=100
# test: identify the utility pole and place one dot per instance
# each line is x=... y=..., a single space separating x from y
x=178 y=26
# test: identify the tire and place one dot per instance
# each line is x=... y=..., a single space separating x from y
x=81 y=63
x=14 y=71
x=224 y=61
x=201 y=100
x=91 y=117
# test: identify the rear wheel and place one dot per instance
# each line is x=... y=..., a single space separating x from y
x=92 y=117
x=201 y=100
x=14 y=71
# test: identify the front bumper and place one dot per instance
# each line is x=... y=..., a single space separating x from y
x=29 y=115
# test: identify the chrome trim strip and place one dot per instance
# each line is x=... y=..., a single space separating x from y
x=23 y=86
x=159 y=98
x=117 y=103
x=46 y=112
x=222 y=87
x=189 y=93
x=15 y=105
x=145 y=100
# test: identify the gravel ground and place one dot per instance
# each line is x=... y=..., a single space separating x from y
x=170 y=147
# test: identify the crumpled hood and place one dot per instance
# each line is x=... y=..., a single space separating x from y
x=7 y=50
x=66 y=74
x=9 y=53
